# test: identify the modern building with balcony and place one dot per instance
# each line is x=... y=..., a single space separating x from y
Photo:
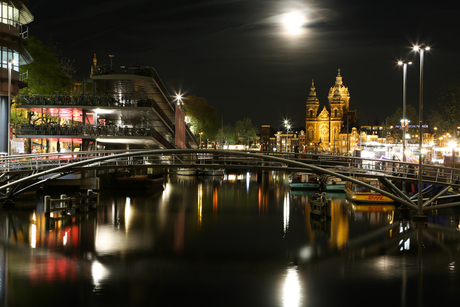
x=14 y=17
x=127 y=107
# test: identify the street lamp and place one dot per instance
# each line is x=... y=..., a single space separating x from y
x=179 y=100
x=421 y=49
x=287 y=126
x=404 y=120
x=201 y=133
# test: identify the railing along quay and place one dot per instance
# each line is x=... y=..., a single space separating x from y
x=65 y=204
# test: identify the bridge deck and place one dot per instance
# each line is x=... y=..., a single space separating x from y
x=19 y=170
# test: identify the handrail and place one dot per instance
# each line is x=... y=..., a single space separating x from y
x=81 y=130
x=22 y=28
x=167 y=158
x=108 y=100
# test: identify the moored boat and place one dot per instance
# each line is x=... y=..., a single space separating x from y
x=128 y=181
x=212 y=172
x=359 y=193
x=371 y=207
x=320 y=205
x=304 y=181
x=186 y=171
x=335 y=184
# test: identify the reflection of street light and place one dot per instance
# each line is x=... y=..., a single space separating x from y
x=201 y=133
x=421 y=49
x=404 y=120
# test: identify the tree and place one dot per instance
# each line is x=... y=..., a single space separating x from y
x=227 y=135
x=395 y=120
x=447 y=118
x=201 y=117
x=245 y=130
x=46 y=76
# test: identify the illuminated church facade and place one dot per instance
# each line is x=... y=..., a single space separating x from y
x=334 y=128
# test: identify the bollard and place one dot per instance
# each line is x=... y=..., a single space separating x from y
x=88 y=199
x=46 y=203
x=62 y=203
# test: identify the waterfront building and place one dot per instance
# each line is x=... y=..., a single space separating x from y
x=117 y=108
x=14 y=17
x=325 y=131
x=292 y=141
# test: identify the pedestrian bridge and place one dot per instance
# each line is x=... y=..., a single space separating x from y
x=23 y=172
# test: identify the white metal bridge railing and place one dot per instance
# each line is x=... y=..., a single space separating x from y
x=18 y=170
x=39 y=162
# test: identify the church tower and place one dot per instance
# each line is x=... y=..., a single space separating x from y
x=312 y=102
x=323 y=130
x=312 y=112
x=339 y=98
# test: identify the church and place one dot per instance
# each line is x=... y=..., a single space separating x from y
x=334 y=129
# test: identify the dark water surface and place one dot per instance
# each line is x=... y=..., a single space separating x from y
x=238 y=240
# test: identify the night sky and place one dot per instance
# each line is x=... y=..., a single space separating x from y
x=241 y=57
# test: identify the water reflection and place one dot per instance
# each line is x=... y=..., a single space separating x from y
x=251 y=236
x=292 y=290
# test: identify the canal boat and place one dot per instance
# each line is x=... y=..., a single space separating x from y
x=212 y=172
x=335 y=184
x=320 y=205
x=185 y=171
x=370 y=207
x=128 y=181
x=304 y=181
x=361 y=194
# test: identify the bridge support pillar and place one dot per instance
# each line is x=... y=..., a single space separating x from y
x=420 y=217
x=4 y=124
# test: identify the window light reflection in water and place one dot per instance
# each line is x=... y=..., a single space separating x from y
x=99 y=273
x=286 y=214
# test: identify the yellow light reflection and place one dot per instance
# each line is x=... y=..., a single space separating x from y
x=128 y=213
x=33 y=236
x=200 y=204
x=215 y=201
x=292 y=289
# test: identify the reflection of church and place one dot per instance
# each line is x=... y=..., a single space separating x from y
x=334 y=129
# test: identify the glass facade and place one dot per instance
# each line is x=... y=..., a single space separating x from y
x=10 y=16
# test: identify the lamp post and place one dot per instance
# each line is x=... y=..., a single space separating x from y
x=287 y=126
x=201 y=133
x=421 y=49
x=403 y=121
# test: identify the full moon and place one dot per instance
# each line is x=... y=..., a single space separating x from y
x=293 y=22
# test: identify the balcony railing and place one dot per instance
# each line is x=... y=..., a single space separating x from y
x=84 y=100
x=81 y=130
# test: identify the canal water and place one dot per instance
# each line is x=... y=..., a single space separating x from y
x=239 y=240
